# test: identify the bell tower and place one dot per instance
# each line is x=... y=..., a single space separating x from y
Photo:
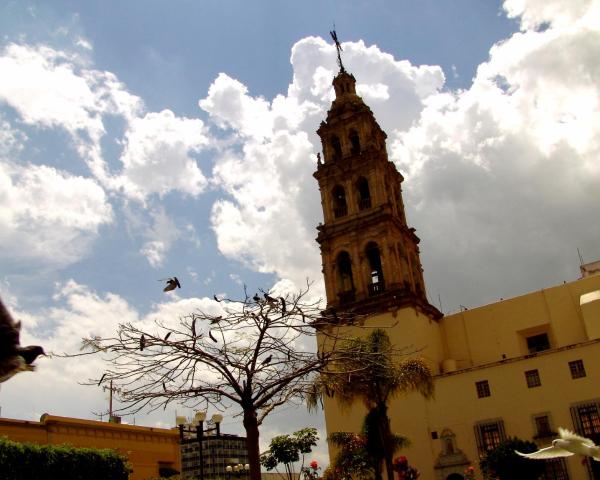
x=370 y=255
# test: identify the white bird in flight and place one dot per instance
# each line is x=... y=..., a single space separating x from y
x=568 y=444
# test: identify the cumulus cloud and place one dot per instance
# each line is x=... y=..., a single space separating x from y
x=268 y=220
x=157 y=155
x=51 y=88
x=508 y=168
x=48 y=215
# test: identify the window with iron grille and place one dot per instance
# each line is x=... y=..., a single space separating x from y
x=577 y=369
x=543 y=428
x=483 y=389
x=589 y=419
x=556 y=469
x=489 y=435
x=586 y=420
x=533 y=378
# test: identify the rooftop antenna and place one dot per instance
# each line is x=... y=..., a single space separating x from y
x=580 y=257
x=338 y=47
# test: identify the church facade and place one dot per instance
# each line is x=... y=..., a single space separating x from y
x=519 y=367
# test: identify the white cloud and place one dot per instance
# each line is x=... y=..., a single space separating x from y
x=157 y=155
x=268 y=222
x=534 y=13
x=161 y=236
x=48 y=215
x=508 y=168
x=50 y=88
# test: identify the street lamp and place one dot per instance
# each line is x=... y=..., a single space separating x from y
x=238 y=469
x=199 y=418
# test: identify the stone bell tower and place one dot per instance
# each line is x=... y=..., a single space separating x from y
x=370 y=255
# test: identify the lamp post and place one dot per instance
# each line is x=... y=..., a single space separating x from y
x=238 y=469
x=199 y=418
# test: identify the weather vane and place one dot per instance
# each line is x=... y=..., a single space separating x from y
x=338 y=47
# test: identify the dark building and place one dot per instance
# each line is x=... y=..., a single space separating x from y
x=218 y=453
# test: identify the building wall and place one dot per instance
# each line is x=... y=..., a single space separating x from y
x=147 y=448
x=488 y=343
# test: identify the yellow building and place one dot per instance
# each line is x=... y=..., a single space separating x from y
x=519 y=367
x=148 y=449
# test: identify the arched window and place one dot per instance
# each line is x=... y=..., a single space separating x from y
x=364 y=194
x=376 y=284
x=336 y=147
x=346 y=282
x=340 y=208
x=354 y=142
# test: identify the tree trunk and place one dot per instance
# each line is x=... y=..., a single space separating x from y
x=251 y=426
x=388 y=448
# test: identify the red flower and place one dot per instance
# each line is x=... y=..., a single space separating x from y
x=314 y=465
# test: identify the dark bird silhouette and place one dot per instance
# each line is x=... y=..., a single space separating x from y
x=216 y=299
x=212 y=337
x=269 y=298
x=142 y=342
x=13 y=357
x=215 y=320
x=172 y=284
x=256 y=298
x=267 y=360
x=167 y=336
x=101 y=379
x=283 y=305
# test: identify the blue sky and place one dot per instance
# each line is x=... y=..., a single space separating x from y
x=145 y=139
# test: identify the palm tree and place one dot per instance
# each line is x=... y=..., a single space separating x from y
x=368 y=369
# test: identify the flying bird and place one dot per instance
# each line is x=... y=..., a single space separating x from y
x=13 y=357
x=568 y=444
x=267 y=360
x=101 y=379
x=172 y=284
x=142 y=342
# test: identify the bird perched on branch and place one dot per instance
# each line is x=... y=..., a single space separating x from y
x=267 y=360
x=568 y=444
x=172 y=284
x=269 y=298
x=13 y=357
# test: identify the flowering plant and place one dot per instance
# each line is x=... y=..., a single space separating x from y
x=312 y=471
x=405 y=471
x=469 y=473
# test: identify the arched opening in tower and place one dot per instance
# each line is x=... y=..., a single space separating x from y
x=354 y=142
x=336 y=146
x=364 y=194
x=346 y=282
x=376 y=284
x=340 y=208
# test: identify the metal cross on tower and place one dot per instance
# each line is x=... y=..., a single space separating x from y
x=338 y=47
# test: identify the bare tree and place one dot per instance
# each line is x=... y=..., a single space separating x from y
x=256 y=353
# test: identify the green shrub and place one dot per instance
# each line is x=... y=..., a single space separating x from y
x=23 y=461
